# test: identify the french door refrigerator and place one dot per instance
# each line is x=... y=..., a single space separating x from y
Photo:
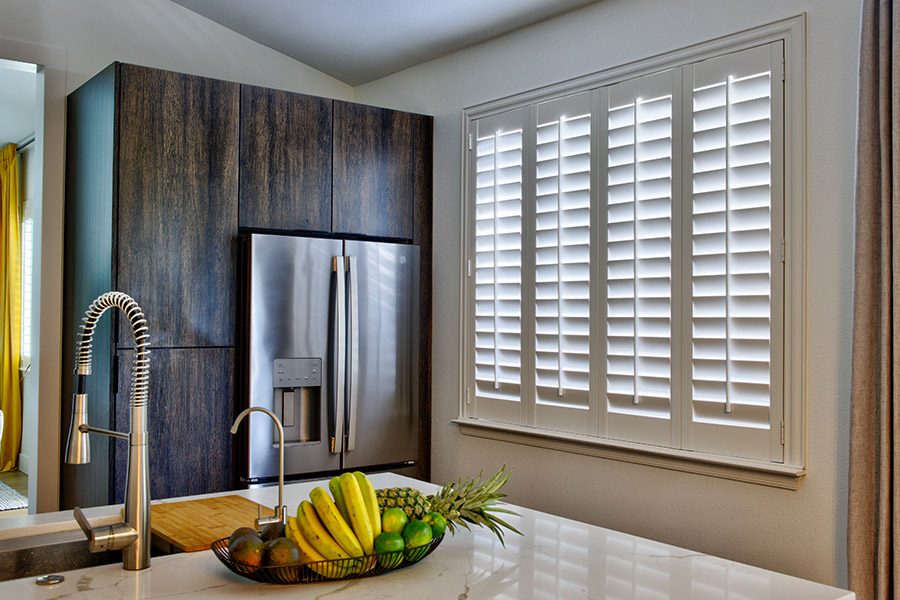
x=330 y=345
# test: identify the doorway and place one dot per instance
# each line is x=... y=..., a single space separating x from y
x=18 y=123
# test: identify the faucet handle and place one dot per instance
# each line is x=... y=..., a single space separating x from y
x=107 y=537
x=89 y=532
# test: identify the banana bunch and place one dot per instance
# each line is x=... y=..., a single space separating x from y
x=341 y=528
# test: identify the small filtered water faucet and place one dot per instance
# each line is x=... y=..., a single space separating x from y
x=132 y=535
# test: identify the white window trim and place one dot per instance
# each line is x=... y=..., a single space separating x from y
x=792 y=32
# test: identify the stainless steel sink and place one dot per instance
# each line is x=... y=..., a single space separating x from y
x=43 y=554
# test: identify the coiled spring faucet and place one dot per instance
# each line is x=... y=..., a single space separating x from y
x=132 y=535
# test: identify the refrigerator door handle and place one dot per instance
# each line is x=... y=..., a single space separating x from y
x=340 y=340
x=353 y=352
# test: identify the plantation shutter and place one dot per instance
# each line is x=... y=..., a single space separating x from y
x=562 y=207
x=497 y=160
x=639 y=254
x=736 y=267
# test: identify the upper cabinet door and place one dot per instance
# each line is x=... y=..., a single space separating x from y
x=377 y=156
x=177 y=205
x=285 y=160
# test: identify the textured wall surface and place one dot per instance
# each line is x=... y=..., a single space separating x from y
x=797 y=532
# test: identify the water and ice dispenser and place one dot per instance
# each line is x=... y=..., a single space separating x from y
x=298 y=399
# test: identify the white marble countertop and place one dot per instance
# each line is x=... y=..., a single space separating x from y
x=555 y=558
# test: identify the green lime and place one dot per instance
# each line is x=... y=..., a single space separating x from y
x=417 y=535
x=394 y=520
x=437 y=522
x=388 y=541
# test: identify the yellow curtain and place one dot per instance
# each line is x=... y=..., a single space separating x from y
x=10 y=281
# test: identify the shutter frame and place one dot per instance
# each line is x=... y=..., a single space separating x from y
x=736 y=405
x=495 y=382
x=563 y=169
x=631 y=415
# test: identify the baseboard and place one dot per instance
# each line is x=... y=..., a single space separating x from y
x=24 y=464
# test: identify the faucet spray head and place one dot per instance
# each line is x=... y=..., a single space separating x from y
x=78 y=448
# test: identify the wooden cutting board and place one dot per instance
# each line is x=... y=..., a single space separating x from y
x=193 y=525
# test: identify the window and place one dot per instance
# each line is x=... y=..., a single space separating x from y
x=27 y=286
x=625 y=260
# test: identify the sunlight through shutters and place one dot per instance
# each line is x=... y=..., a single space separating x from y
x=498 y=267
x=562 y=262
x=639 y=259
x=733 y=248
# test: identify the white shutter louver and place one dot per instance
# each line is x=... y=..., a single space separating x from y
x=732 y=255
x=562 y=263
x=498 y=268
x=639 y=260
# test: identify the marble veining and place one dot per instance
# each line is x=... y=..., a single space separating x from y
x=555 y=558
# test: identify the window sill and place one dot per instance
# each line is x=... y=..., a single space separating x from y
x=775 y=475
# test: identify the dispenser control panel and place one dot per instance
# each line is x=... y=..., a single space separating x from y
x=298 y=372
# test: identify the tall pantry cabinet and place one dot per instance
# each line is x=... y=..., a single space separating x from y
x=151 y=210
x=164 y=171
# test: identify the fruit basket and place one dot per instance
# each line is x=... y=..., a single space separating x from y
x=326 y=570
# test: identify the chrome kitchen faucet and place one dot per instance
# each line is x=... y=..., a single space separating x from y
x=280 y=515
x=132 y=535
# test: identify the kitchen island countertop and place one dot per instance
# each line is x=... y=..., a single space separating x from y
x=555 y=558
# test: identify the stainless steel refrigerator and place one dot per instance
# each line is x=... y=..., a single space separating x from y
x=330 y=345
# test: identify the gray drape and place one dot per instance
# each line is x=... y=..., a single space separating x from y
x=873 y=535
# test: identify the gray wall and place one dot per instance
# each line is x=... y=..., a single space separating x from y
x=797 y=532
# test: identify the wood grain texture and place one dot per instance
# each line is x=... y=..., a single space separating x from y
x=373 y=178
x=87 y=273
x=193 y=525
x=177 y=204
x=285 y=174
x=191 y=408
x=422 y=235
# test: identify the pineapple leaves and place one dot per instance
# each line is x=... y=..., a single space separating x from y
x=474 y=501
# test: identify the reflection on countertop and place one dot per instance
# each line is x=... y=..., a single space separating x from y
x=555 y=558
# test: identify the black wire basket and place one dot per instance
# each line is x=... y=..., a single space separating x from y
x=326 y=570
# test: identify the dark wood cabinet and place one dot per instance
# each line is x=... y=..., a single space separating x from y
x=190 y=441
x=379 y=161
x=151 y=210
x=177 y=205
x=285 y=161
x=163 y=172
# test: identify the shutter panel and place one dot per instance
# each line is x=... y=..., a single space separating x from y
x=562 y=267
x=639 y=395
x=734 y=258
x=498 y=267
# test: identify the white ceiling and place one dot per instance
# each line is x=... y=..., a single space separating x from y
x=17 y=102
x=358 y=41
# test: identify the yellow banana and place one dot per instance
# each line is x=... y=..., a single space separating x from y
x=329 y=569
x=371 y=500
x=307 y=552
x=356 y=508
x=315 y=561
x=335 y=486
x=334 y=522
x=315 y=533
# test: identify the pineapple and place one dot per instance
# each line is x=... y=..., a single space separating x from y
x=412 y=501
x=473 y=501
